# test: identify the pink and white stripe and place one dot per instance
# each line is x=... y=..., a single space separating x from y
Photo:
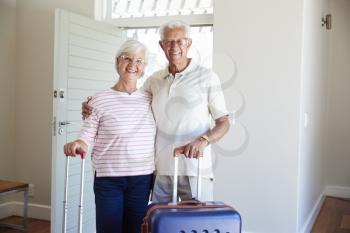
x=122 y=131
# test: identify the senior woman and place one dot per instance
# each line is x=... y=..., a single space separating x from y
x=121 y=132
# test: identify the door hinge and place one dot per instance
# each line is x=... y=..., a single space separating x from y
x=54 y=127
x=62 y=94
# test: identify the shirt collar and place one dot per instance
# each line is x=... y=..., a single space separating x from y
x=188 y=69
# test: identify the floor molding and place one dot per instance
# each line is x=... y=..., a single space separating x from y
x=6 y=209
x=16 y=208
x=309 y=223
x=333 y=191
x=338 y=191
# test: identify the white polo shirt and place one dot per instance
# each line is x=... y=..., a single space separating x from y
x=184 y=107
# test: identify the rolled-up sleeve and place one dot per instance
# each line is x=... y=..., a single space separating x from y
x=216 y=99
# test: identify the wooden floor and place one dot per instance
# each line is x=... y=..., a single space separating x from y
x=334 y=217
x=34 y=225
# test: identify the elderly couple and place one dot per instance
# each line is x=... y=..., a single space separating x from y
x=136 y=131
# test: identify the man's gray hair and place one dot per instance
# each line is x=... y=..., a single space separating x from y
x=132 y=46
x=174 y=24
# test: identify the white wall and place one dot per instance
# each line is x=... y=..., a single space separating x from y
x=7 y=88
x=35 y=34
x=264 y=39
x=337 y=162
x=313 y=103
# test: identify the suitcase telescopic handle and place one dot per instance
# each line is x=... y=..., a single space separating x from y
x=82 y=155
x=175 y=180
x=65 y=201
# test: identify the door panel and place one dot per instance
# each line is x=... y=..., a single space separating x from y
x=84 y=64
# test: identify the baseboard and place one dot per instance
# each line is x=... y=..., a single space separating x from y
x=333 y=191
x=16 y=208
x=338 y=191
x=310 y=221
x=6 y=209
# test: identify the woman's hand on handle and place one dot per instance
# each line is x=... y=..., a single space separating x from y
x=77 y=147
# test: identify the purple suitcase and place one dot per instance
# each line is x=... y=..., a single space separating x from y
x=191 y=216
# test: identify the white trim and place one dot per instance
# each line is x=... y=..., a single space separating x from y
x=6 y=209
x=16 y=208
x=144 y=22
x=333 y=191
x=99 y=10
x=310 y=221
x=338 y=191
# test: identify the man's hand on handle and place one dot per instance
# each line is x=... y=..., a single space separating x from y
x=192 y=150
x=195 y=149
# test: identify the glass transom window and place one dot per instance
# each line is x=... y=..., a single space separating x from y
x=151 y=8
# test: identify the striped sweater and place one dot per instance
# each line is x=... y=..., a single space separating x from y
x=122 y=131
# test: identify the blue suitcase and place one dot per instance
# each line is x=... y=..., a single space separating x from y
x=191 y=216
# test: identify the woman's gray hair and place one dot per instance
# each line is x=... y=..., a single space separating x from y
x=174 y=24
x=133 y=46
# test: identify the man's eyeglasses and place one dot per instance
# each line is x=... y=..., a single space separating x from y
x=129 y=59
x=179 y=42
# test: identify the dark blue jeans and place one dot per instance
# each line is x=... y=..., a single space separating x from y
x=121 y=203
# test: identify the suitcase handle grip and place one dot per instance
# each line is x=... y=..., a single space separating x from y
x=82 y=154
x=191 y=202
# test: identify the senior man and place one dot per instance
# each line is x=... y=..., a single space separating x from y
x=186 y=98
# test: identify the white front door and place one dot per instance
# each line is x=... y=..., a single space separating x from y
x=84 y=64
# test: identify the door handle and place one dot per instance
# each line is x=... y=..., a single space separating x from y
x=62 y=123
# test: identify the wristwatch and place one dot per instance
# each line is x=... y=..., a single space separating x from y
x=204 y=138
